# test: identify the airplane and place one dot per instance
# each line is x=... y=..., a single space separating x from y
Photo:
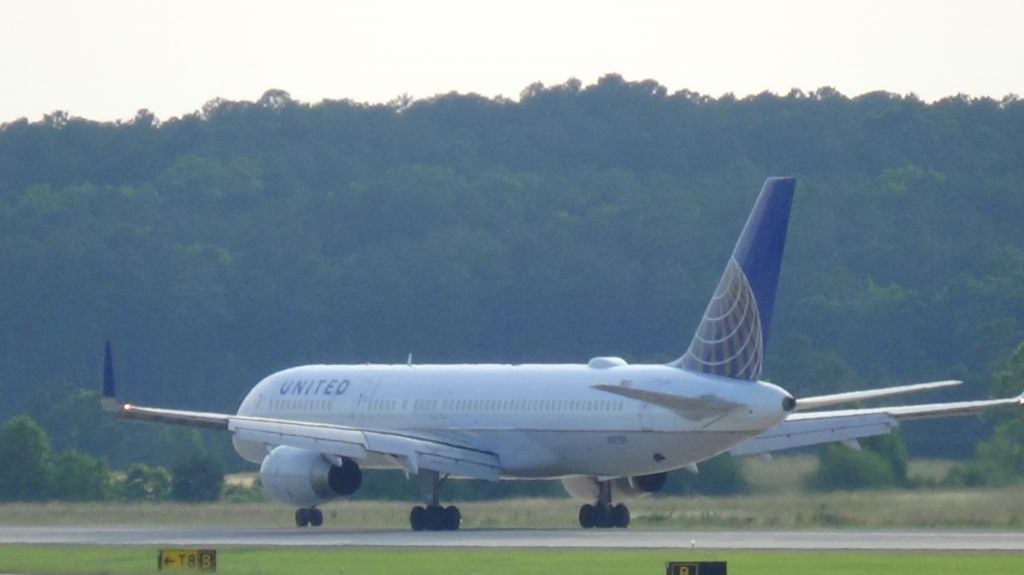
x=607 y=429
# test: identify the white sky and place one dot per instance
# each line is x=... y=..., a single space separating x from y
x=105 y=59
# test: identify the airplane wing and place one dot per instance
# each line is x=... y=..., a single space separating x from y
x=805 y=429
x=817 y=402
x=412 y=451
x=190 y=418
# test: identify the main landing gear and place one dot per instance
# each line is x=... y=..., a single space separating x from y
x=603 y=513
x=434 y=517
x=311 y=516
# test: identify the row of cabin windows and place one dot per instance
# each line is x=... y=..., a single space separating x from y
x=461 y=405
x=300 y=404
x=517 y=405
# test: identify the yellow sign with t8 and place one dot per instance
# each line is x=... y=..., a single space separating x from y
x=194 y=559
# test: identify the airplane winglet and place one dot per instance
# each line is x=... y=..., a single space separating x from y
x=108 y=401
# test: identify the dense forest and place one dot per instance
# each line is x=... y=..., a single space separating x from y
x=217 y=247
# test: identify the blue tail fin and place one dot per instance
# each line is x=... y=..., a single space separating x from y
x=730 y=339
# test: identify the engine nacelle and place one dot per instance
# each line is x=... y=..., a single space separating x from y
x=585 y=487
x=306 y=478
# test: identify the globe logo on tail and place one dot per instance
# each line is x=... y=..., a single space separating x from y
x=729 y=341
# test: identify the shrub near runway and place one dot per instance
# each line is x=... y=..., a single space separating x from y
x=87 y=560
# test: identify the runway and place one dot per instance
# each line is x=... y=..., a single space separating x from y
x=521 y=538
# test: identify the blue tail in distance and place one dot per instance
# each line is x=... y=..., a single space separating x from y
x=730 y=339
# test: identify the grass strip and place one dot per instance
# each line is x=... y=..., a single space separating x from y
x=115 y=560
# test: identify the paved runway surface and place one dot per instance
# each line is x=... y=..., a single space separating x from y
x=508 y=538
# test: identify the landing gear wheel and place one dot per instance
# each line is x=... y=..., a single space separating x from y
x=302 y=517
x=588 y=516
x=451 y=518
x=435 y=518
x=316 y=517
x=602 y=515
x=418 y=518
x=620 y=516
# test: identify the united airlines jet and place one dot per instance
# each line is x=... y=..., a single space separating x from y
x=607 y=429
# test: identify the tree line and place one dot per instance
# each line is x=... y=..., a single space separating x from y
x=35 y=472
x=219 y=246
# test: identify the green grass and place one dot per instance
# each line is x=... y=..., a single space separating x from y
x=86 y=560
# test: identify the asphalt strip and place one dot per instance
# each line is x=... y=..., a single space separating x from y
x=521 y=538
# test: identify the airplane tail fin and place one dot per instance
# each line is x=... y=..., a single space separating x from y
x=730 y=339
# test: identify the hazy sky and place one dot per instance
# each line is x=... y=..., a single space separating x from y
x=106 y=59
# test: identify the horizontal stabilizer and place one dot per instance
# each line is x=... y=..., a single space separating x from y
x=817 y=402
x=693 y=408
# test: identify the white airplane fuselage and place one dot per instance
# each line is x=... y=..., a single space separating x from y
x=540 y=420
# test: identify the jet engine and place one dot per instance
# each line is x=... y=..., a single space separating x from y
x=585 y=488
x=306 y=478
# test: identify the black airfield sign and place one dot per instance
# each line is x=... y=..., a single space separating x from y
x=695 y=568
